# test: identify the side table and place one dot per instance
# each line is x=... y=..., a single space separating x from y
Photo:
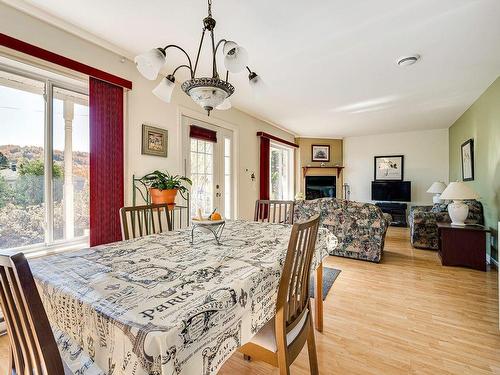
x=462 y=245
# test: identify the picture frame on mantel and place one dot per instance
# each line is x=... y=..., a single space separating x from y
x=467 y=152
x=389 y=168
x=320 y=153
x=154 y=141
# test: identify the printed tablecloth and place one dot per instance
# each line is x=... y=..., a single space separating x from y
x=159 y=305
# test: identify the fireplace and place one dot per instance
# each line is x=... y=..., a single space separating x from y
x=321 y=187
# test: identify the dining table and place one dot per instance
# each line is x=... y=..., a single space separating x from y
x=161 y=304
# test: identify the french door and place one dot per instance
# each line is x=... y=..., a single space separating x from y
x=209 y=165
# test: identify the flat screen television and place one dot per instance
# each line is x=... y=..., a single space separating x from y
x=391 y=191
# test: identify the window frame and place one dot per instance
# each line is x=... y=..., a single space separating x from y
x=50 y=82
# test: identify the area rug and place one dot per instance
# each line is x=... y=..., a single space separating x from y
x=329 y=277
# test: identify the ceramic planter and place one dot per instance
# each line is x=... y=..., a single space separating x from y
x=163 y=196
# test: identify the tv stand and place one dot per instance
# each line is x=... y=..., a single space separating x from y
x=396 y=210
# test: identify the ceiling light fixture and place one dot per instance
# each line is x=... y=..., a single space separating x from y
x=208 y=92
x=408 y=60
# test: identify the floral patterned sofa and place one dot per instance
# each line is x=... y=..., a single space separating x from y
x=423 y=219
x=359 y=227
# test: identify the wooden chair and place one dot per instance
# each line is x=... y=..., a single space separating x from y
x=138 y=221
x=273 y=211
x=280 y=341
x=33 y=346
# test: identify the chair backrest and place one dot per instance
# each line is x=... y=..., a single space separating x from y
x=293 y=292
x=138 y=221
x=34 y=349
x=274 y=211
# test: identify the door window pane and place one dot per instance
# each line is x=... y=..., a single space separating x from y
x=22 y=122
x=202 y=161
x=227 y=178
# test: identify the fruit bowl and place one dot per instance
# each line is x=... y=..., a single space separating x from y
x=207 y=221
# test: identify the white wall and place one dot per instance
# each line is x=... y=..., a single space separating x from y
x=425 y=161
x=144 y=107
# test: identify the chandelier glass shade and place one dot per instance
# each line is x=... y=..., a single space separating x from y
x=150 y=63
x=208 y=92
x=164 y=89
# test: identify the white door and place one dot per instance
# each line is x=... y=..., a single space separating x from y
x=209 y=166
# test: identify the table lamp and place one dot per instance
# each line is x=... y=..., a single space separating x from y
x=437 y=188
x=458 y=210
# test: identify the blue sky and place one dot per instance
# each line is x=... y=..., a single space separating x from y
x=22 y=121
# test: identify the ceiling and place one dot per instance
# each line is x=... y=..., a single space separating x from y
x=330 y=66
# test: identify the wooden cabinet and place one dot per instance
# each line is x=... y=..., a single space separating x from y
x=462 y=245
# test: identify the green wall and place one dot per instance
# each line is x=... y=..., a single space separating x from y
x=481 y=122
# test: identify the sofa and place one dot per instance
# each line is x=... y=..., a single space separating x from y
x=359 y=227
x=423 y=219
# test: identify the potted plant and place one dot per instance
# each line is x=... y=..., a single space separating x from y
x=163 y=187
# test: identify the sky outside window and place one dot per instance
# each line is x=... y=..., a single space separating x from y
x=22 y=112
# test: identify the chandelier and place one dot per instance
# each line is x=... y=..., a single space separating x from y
x=208 y=92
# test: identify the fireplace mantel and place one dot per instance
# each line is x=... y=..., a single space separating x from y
x=338 y=168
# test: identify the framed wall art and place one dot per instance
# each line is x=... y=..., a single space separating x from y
x=154 y=141
x=389 y=168
x=320 y=153
x=467 y=151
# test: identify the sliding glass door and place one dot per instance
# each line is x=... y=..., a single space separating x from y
x=43 y=123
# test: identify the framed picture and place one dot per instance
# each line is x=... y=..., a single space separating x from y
x=389 y=168
x=154 y=141
x=468 y=160
x=320 y=153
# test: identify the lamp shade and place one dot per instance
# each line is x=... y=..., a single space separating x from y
x=458 y=191
x=235 y=57
x=164 y=89
x=259 y=87
x=437 y=187
x=150 y=63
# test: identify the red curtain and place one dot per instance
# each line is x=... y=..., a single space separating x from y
x=203 y=134
x=264 y=167
x=106 y=161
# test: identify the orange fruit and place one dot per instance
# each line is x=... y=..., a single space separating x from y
x=216 y=216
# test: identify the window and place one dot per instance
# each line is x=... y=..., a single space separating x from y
x=281 y=169
x=43 y=122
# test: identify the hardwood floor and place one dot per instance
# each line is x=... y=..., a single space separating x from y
x=406 y=315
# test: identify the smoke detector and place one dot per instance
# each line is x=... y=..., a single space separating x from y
x=408 y=60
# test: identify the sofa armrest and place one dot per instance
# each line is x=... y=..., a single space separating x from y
x=415 y=209
x=417 y=213
x=424 y=230
x=428 y=217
